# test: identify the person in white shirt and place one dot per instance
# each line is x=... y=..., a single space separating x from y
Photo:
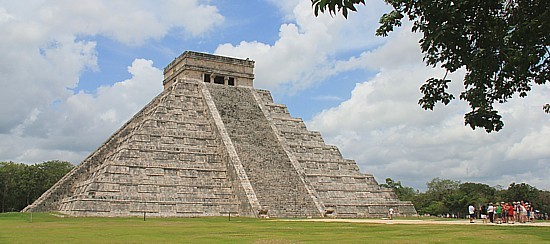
x=471 y=211
x=491 y=212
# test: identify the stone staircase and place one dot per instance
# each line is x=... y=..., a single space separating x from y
x=275 y=180
x=336 y=181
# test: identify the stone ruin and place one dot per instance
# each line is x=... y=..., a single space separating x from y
x=212 y=145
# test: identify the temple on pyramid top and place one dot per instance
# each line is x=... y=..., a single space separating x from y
x=211 y=69
x=210 y=144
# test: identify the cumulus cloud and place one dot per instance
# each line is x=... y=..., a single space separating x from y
x=388 y=134
x=83 y=121
x=47 y=45
x=44 y=47
x=304 y=53
x=129 y=23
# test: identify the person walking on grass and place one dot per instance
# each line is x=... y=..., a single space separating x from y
x=472 y=212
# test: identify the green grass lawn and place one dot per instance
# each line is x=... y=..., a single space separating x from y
x=46 y=228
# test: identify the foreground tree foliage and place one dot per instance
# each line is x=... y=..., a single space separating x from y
x=21 y=184
x=502 y=44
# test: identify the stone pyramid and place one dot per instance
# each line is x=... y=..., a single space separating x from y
x=212 y=145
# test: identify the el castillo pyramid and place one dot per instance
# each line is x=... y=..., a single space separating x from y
x=212 y=145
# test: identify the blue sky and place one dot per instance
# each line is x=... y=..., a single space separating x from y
x=72 y=72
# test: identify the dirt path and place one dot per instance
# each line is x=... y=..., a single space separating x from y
x=424 y=222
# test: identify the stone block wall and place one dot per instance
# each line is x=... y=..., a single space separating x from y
x=166 y=161
x=52 y=198
x=275 y=181
x=193 y=65
x=337 y=182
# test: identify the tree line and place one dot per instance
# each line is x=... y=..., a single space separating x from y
x=21 y=184
x=444 y=196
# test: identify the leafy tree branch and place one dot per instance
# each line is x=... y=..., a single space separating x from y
x=502 y=44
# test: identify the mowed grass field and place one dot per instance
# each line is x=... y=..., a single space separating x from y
x=47 y=228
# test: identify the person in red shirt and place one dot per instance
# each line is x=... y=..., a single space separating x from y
x=510 y=210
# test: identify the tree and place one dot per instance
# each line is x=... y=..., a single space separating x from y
x=502 y=44
x=438 y=198
x=478 y=193
x=474 y=193
x=21 y=184
x=521 y=192
x=51 y=171
x=439 y=188
x=404 y=193
x=542 y=203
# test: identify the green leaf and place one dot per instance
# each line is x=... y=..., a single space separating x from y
x=434 y=91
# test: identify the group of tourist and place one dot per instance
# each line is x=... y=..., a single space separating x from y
x=505 y=212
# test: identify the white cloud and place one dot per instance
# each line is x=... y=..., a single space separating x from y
x=382 y=127
x=286 y=7
x=304 y=53
x=4 y=15
x=130 y=23
x=328 y=98
x=34 y=77
x=46 y=45
x=83 y=121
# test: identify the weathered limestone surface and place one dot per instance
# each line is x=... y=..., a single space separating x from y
x=193 y=65
x=204 y=149
x=337 y=181
x=166 y=161
x=249 y=204
x=275 y=181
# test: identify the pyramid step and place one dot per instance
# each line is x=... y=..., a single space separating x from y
x=267 y=165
